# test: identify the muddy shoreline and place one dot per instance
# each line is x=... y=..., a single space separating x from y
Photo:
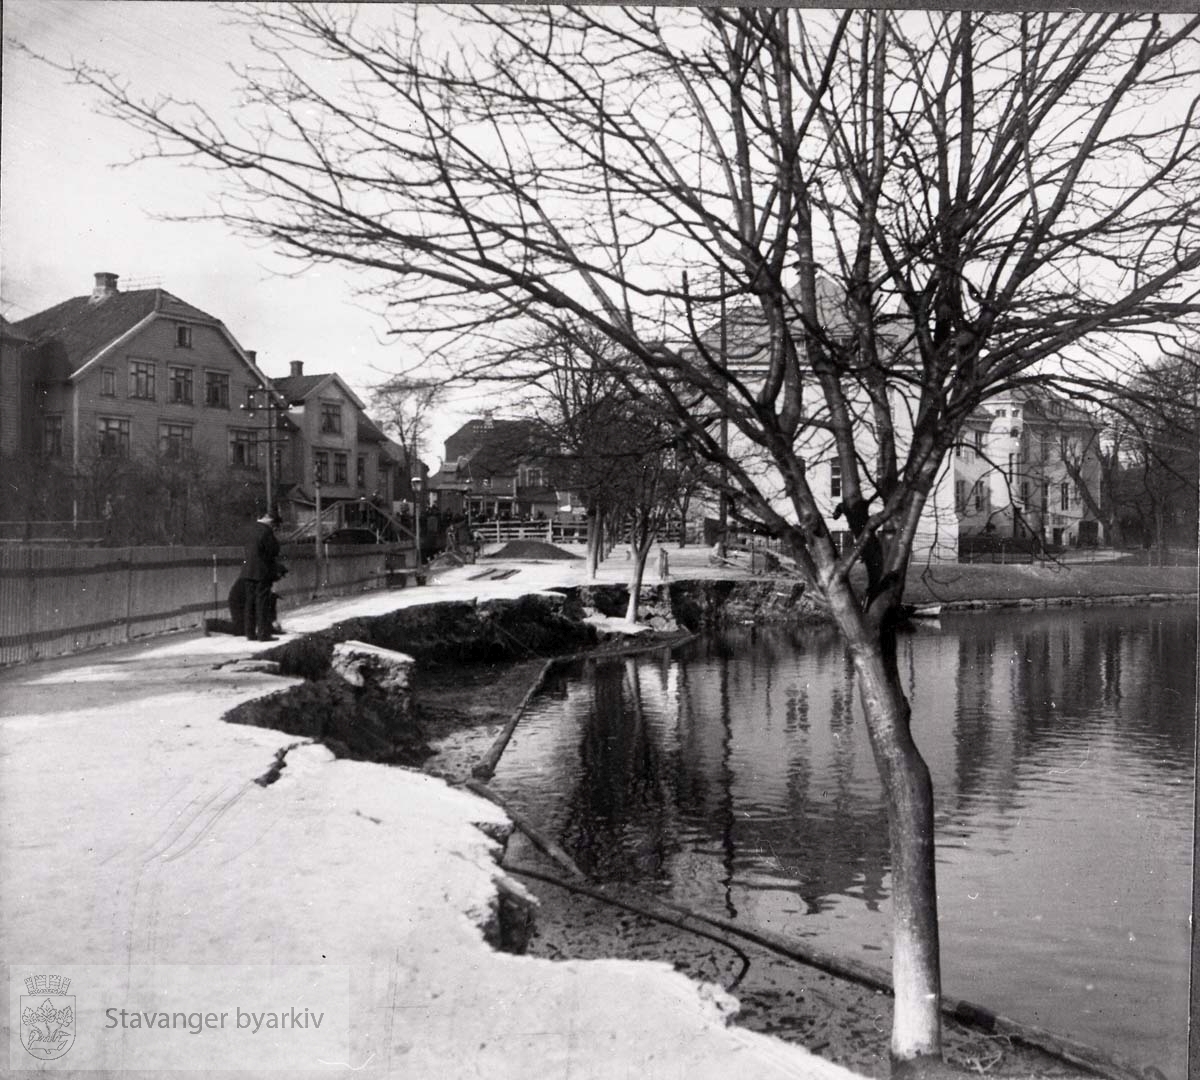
x=476 y=665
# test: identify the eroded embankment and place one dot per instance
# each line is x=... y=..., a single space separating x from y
x=463 y=649
x=363 y=723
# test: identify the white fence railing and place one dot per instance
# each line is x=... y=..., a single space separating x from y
x=554 y=532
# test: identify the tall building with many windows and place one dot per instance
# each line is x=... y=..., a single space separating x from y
x=1028 y=466
x=114 y=374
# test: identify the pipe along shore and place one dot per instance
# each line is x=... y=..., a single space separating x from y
x=720 y=930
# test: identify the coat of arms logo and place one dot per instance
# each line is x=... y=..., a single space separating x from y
x=47 y=1016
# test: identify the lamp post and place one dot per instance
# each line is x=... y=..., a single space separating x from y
x=416 y=486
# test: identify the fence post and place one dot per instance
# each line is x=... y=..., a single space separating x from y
x=129 y=595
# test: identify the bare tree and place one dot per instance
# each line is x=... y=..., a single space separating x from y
x=1158 y=451
x=905 y=213
x=404 y=405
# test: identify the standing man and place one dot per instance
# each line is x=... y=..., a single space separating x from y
x=260 y=569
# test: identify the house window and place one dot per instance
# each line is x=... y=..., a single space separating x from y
x=1025 y=494
x=180 y=390
x=108 y=382
x=979 y=495
x=979 y=442
x=1012 y=467
x=960 y=495
x=321 y=466
x=835 y=479
x=216 y=389
x=174 y=440
x=331 y=419
x=1064 y=496
x=183 y=336
x=340 y=466
x=532 y=476
x=141 y=379
x=243 y=448
x=114 y=436
x=52 y=435
x=1047 y=444
x=360 y=471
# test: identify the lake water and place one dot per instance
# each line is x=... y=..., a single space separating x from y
x=735 y=776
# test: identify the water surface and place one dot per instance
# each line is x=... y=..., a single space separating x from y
x=735 y=776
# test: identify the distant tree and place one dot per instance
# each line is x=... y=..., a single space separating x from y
x=1157 y=449
x=1095 y=498
x=647 y=480
x=921 y=210
x=405 y=406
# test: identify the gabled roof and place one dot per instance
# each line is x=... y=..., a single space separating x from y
x=493 y=447
x=368 y=432
x=747 y=338
x=295 y=388
x=8 y=333
x=83 y=327
x=298 y=388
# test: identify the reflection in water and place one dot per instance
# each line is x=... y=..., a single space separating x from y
x=737 y=777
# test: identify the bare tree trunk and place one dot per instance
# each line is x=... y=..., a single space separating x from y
x=908 y=788
x=595 y=538
x=641 y=552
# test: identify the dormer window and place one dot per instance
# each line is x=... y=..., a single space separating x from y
x=183 y=336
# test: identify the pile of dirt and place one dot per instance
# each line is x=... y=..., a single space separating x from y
x=530 y=549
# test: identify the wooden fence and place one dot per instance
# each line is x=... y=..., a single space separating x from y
x=62 y=600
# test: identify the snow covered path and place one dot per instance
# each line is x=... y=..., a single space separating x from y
x=140 y=860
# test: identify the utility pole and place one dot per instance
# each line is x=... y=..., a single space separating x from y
x=416 y=486
x=724 y=420
x=272 y=407
x=317 y=531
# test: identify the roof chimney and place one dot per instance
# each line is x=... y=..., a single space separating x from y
x=106 y=286
x=252 y=355
x=297 y=368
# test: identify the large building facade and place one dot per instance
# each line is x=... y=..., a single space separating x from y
x=119 y=374
x=1028 y=466
x=145 y=410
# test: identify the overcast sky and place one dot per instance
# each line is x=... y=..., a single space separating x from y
x=67 y=210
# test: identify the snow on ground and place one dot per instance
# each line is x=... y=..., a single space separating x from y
x=140 y=859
